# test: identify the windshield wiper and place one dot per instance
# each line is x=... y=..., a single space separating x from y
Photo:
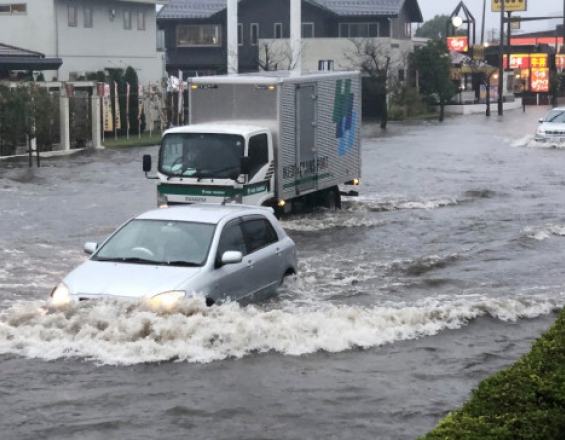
x=182 y=263
x=128 y=260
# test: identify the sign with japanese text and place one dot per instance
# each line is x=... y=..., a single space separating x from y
x=526 y=60
x=107 y=109
x=540 y=80
x=458 y=44
x=510 y=5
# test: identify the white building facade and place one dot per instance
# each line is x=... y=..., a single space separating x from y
x=88 y=35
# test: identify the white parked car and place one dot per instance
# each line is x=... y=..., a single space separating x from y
x=165 y=255
x=551 y=128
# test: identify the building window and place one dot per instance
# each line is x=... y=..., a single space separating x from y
x=140 y=20
x=240 y=34
x=127 y=19
x=13 y=9
x=278 y=33
x=72 y=14
x=325 y=65
x=254 y=34
x=307 y=30
x=87 y=16
x=190 y=35
x=358 y=30
x=160 y=40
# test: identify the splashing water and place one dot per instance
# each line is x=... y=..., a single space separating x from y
x=116 y=333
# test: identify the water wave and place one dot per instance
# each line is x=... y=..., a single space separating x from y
x=545 y=232
x=356 y=212
x=114 y=333
x=422 y=265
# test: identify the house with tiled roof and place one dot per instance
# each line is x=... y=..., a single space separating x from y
x=87 y=35
x=194 y=31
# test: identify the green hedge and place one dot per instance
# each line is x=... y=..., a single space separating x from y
x=525 y=401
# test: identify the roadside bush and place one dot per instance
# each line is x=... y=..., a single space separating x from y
x=26 y=111
x=523 y=402
x=406 y=103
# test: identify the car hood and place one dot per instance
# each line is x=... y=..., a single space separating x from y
x=551 y=126
x=103 y=278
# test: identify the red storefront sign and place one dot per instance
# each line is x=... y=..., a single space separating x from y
x=458 y=44
x=540 y=80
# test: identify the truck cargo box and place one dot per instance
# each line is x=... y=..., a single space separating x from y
x=315 y=121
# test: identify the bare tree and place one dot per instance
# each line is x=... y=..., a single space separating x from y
x=275 y=55
x=373 y=60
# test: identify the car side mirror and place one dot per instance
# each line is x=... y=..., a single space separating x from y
x=540 y=120
x=245 y=165
x=146 y=163
x=231 y=257
x=90 y=247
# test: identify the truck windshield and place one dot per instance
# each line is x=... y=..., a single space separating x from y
x=202 y=155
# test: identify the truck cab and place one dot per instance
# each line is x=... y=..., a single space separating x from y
x=216 y=163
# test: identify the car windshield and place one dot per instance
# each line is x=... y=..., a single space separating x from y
x=557 y=116
x=163 y=242
x=202 y=155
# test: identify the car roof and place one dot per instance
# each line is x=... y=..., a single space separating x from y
x=560 y=109
x=202 y=213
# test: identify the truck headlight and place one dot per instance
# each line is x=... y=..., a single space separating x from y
x=166 y=301
x=162 y=201
x=60 y=296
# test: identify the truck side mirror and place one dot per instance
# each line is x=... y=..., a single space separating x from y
x=245 y=165
x=146 y=163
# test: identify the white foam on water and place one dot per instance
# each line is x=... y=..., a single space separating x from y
x=356 y=212
x=373 y=203
x=114 y=333
x=545 y=232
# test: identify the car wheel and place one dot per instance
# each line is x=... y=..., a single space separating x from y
x=210 y=302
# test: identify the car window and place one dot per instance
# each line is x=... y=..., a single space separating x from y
x=258 y=153
x=258 y=233
x=557 y=116
x=232 y=239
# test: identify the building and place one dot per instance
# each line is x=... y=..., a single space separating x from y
x=88 y=35
x=18 y=59
x=194 y=31
x=552 y=38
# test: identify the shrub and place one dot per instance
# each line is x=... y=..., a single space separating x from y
x=523 y=402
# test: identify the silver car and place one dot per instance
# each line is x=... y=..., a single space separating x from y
x=551 y=128
x=165 y=255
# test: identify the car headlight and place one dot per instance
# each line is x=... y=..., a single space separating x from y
x=540 y=131
x=60 y=296
x=166 y=301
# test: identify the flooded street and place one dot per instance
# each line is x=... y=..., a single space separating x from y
x=445 y=270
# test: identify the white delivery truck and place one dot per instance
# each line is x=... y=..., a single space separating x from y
x=271 y=138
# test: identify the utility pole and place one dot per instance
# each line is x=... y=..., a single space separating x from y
x=501 y=61
x=483 y=22
x=563 y=30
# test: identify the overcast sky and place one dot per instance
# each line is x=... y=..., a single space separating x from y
x=536 y=8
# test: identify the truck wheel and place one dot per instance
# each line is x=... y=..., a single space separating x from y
x=332 y=199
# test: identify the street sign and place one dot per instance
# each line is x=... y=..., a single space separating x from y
x=515 y=24
x=458 y=44
x=510 y=5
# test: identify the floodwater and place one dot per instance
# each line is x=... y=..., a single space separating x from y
x=444 y=271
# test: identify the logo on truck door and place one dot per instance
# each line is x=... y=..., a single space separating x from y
x=344 y=116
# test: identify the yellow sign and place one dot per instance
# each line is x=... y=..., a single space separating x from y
x=510 y=5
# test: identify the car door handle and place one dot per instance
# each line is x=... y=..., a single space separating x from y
x=278 y=252
x=250 y=264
